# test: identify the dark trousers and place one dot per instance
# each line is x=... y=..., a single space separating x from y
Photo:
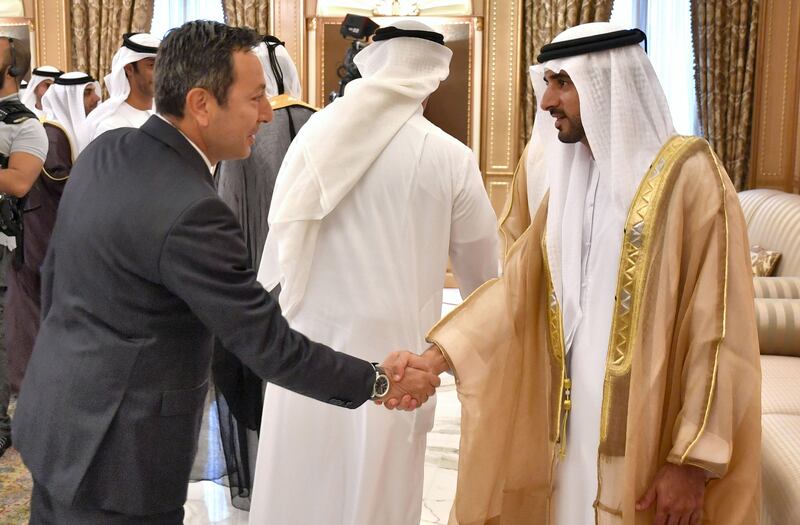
x=48 y=511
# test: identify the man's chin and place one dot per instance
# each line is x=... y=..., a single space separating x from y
x=569 y=138
x=238 y=155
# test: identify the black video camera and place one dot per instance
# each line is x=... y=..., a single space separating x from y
x=358 y=29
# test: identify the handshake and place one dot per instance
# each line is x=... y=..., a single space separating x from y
x=413 y=378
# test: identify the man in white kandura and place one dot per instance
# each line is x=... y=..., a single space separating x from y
x=369 y=203
x=130 y=86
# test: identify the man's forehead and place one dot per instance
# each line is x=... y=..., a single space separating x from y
x=246 y=58
x=549 y=73
x=249 y=63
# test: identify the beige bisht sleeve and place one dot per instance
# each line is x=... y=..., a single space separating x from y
x=495 y=335
x=516 y=217
x=528 y=191
x=720 y=416
x=695 y=376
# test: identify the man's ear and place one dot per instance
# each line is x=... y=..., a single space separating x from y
x=199 y=104
x=128 y=70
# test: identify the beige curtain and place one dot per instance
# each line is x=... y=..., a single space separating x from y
x=542 y=20
x=725 y=56
x=249 y=13
x=97 y=29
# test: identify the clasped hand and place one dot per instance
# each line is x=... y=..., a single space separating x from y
x=413 y=381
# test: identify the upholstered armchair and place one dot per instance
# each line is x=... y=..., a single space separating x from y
x=773 y=222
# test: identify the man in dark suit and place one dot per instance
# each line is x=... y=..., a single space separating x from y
x=145 y=266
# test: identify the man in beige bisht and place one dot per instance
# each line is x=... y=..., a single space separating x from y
x=611 y=375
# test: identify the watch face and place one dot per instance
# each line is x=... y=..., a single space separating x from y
x=381 y=386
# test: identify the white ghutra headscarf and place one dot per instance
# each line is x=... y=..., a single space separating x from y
x=63 y=103
x=135 y=47
x=627 y=121
x=291 y=80
x=38 y=75
x=324 y=162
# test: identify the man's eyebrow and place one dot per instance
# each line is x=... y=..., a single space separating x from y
x=557 y=76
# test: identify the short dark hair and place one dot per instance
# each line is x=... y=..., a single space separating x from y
x=21 y=59
x=197 y=54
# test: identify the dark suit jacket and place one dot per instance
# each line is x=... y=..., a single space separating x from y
x=144 y=265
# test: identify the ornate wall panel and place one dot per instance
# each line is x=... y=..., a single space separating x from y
x=776 y=112
x=500 y=150
x=52 y=33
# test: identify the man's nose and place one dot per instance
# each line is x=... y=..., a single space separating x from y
x=265 y=111
x=549 y=99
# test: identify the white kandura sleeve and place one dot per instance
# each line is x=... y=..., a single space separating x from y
x=473 y=230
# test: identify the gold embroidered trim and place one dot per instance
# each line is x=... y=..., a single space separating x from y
x=721 y=337
x=56 y=179
x=285 y=101
x=633 y=268
x=58 y=126
x=555 y=324
x=608 y=510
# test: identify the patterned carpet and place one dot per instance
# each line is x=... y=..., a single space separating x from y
x=15 y=488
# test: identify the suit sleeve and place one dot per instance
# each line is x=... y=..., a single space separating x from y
x=204 y=262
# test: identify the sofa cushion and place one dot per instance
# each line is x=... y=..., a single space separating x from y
x=780 y=441
x=777 y=287
x=763 y=261
x=780 y=385
x=778 y=323
x=773 y=222
x=780 y=467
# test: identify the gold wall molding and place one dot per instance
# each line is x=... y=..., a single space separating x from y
x=776 y=128
x=51 y=20
x=501 y=103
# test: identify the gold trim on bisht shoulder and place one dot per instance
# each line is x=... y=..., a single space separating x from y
x=285 y=101
x=634 y=262
x=631 y=284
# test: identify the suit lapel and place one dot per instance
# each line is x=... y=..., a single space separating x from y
x=169 y=135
